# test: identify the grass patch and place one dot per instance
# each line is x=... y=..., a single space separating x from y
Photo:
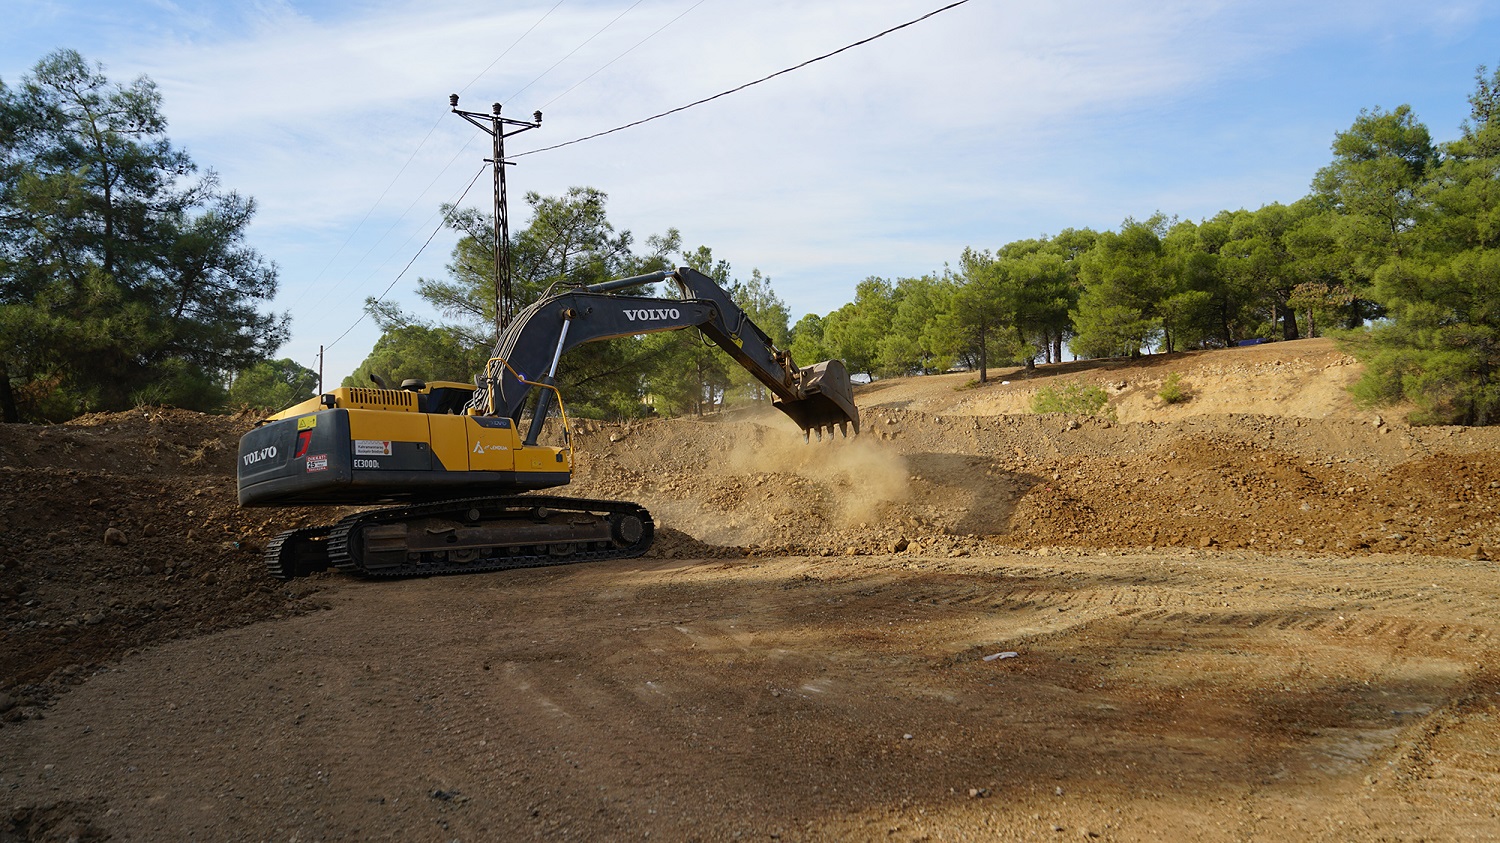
x=1073 y=397
x=1172 y=391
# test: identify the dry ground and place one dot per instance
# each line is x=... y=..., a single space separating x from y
x=1262 y=614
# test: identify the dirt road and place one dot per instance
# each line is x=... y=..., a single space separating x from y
x=963 y=626
x=1151 y=696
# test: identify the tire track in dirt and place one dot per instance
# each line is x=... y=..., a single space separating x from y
x=587 y=698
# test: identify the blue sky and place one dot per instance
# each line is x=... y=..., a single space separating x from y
x=988 y=123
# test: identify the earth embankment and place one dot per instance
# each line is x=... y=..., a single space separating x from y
x=1262 y=613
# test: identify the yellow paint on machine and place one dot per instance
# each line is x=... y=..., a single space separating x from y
x=459 y=443
x=489 y=448
x=450 y=438
x=389 y=426
x=544 y=458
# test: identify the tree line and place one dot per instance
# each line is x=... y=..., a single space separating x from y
x=125 y=278
x=1393 y=251
x=570 y=241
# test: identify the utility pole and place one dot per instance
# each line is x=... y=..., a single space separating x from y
x=495 y=126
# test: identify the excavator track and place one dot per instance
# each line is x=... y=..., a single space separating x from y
x=467 y=536
x=297 y=553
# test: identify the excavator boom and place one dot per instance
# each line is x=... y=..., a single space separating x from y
x=817 y=398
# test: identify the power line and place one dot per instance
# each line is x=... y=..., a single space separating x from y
x=394 y=223
x=450 y=163
x=624 y=54
x=413 y=260
x=576 y=49
x=409 y=159
x=513 y=46
x=658 y=116
x=744 y=86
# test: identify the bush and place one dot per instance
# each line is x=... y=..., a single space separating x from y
x=273 y=385
x=1072 y=397
x=179 y=383
x=1172 y=391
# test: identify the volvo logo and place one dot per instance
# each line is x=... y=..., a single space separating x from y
x=266 y=453
x=645 y=315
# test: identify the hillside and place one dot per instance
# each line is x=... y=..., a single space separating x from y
x=1259 y=613
x=1298 y=379
x=1269 y=453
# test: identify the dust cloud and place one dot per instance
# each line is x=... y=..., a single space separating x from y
x=862 y=475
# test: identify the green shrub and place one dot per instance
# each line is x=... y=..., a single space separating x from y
x=1072 y=397
x=1172 y=391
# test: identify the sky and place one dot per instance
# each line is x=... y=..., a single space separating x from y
x=993 y=121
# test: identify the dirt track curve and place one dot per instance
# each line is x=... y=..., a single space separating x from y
x=1261 y=615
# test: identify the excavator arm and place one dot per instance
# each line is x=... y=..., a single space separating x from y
x=528 y=353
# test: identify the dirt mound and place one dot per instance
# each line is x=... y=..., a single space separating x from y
x=123 y=530
x=914 y=483
x=1261 y=613
x=1298 y=379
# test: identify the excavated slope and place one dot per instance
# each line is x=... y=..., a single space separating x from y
x=1259 y=614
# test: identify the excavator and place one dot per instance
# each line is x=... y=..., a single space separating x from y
x=453 y=464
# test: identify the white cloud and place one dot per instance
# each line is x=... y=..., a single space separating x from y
x=983 y=124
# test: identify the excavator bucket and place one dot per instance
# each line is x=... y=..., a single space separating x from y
x=827 y=400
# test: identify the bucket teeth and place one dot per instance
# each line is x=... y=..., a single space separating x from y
x=824 y=400
x=842 y=428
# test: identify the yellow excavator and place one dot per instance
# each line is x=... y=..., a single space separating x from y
x=454 y=459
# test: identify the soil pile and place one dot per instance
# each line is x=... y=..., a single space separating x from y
x=123 y=530
x=1259 y=613
x=929 y=475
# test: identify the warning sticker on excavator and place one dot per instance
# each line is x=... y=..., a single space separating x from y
x=372 y=447
x=317 y=462
x=307 y=423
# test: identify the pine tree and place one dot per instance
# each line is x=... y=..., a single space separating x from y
x=124 y=275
